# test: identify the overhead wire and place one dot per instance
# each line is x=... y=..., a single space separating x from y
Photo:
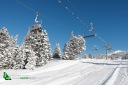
x=26 y=6
x=67 y=8
x=76 y=11
x=72 y=12
x=77 y=17
x=35 y=11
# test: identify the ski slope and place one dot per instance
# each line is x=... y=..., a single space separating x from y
x=67 y=72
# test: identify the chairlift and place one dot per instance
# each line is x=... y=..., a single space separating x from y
x=36 y=21
x=90 y=36
x=95 y=47
x=91 y=30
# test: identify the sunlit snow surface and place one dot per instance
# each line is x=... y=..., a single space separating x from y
x=67 y=72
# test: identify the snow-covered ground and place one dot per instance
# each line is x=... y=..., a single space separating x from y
x=67 y=72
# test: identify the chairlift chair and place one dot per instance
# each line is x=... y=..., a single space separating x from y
x=95 y=47
x=91 y=30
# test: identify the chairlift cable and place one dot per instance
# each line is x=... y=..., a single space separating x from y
x=35 y=11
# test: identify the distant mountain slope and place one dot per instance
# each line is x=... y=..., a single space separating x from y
x=118 y=54
x=115 y=55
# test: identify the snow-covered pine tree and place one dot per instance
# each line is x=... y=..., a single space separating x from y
x=28 y=57
x=68 y=48
x=16 y=58
x=74 y=47
x=38 y=41
x=66 y=51
x=7 y=44
x=16 y=62
x=31 y=60
x=47 y=49
x=57 y=52
x=90 y=56
x=81 y=44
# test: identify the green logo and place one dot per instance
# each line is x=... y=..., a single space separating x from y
x=6 y=77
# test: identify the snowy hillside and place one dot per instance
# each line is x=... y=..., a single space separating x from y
x=67 y=72
x=119 y=54
x=116 y=52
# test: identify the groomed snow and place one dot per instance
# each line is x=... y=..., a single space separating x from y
x=67 y=72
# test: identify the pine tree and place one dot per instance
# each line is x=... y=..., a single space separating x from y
x=28 y=60
x=31 y=60
x=38 y=41
x=74 y=47
x=81 y=44
x=16 y=58
x=66 y=51
x=47 y=50
x=57 y=52
x=35 y=50
x=68 y=48
x=7 y=45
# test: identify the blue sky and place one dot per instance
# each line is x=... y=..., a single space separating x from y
x=109 y=17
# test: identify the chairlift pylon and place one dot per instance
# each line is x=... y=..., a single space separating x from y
x=107 y=46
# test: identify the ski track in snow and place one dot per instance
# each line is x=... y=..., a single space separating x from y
x=120 y=75
x=78 y=72
x=112 y=77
